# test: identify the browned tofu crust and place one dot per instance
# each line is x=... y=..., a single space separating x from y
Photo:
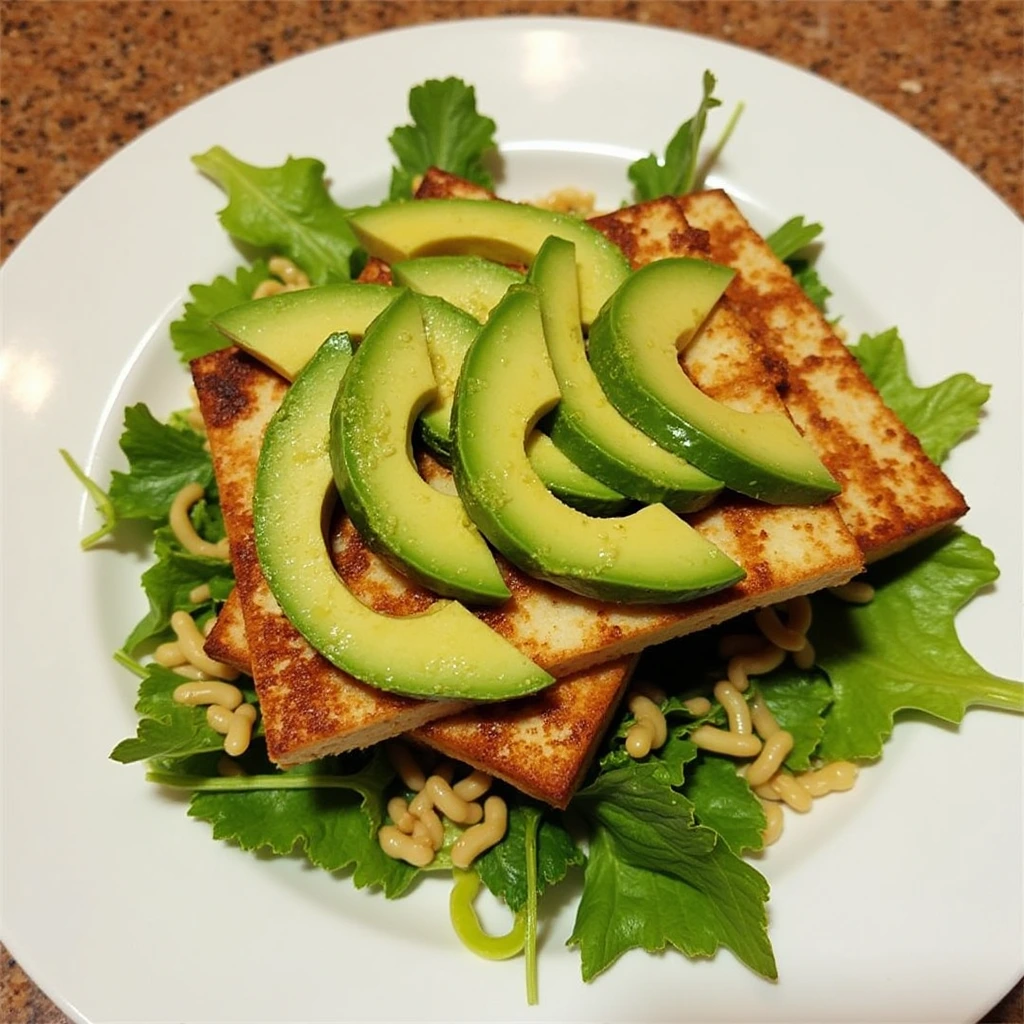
x=309 y=707
x=541 y=744
x=893 y=494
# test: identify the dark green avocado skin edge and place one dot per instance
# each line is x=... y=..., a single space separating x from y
x=574 y=440
x=664 y=425
x=520 y=551
x=364 y=516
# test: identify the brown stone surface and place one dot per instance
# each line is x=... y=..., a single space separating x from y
x=78 y=80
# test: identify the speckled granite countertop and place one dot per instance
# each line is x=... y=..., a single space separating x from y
x=81 y=79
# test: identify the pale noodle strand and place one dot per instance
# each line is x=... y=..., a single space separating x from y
x=735 y=708
x=763 y=719
x=744 y=665
x=190 y=640
x=854 y=592
x=183 y=529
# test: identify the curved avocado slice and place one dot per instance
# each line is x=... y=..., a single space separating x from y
x=450 y=332
x=585 y=425
x=634 y=350
x=285 y=330
x=443 y=652
x=649 y=556
x=425 y=533
x=469 y=283
x=567 y=482
x=497 y=230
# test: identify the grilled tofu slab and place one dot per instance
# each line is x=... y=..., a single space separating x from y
x=540 y=744
x=893 y=494
x=309 y=708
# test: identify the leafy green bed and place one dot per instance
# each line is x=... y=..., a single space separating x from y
x=665 y=836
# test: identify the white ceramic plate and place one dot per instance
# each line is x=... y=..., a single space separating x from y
x=900 y=901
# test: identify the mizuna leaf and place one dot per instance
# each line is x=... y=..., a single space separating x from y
x=901 y=651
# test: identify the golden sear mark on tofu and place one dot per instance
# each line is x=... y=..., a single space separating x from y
x=893 y=494
x=309 y=707
x=543 y=744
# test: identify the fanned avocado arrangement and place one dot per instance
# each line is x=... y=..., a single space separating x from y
x=470 y=357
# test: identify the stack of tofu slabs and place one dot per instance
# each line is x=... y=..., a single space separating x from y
x=765 y=348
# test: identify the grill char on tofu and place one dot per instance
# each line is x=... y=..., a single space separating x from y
x=544 y=743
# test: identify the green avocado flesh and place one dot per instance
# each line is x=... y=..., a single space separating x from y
x=567 y=482
x=496 y=230
x=424 y=533
x=634 y=350
x=469 y=283
x=285 y=330
x=585 y=425
x=506 y=385
x=450 y=332
x=444 y=652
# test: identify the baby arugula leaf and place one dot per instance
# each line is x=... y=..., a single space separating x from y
x=161 y=460
x=786 y=242
x=807 y=277
x=794 y=235
x=100 y=498
x=286 y=210
x=192 y=334
x=654 y=877
x=941 y=415
x=724 y=802
x=901 y=651
x=503 y=867
x=335 y=828
x=447 y=132
x=676 y=174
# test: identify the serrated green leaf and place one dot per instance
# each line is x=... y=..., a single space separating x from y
x=285 y=210
x=901 y=651
x=655 y=878
x=192 y=334
x=447 y=132
x=807 y=277
x=169 y=582
x=161 y=460
x=940 y=416
x=503 y=867
x=166 y=728
x=336 y=829
x=724 y=802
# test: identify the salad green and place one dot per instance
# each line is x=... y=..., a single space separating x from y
x=663 y=862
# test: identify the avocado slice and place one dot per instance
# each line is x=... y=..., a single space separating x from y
x=506 y=385
x=450 y=332
x=567 y=482
x=585 y=425
x=285 y=330
x=423 y=532
x=443 y=652
x=634 y=350
x=500 y=231
x=469 y=283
